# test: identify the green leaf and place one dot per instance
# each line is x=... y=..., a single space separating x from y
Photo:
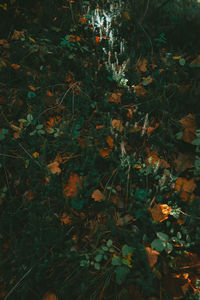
x=2 y=137
x=196 y=142
x=182 y=61
x=39 y=126
x=22 y=120
x=98 y=257
x=104 y=248
x=77 y=204
x=121 y=274
x=127 y=250
x=71 y=56
x=125 y=262
x=41 y=131
x=29 y=118
x=141 y=194
x=158 y=245
x=109 y=243
x=97 y=266
x=84 y=263
x=116 y=261
x=162 y=236
x=33 y=132
x=31 y=94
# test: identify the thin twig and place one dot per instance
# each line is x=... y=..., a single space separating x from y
x=18 y=283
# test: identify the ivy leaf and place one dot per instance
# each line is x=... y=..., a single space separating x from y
x=158 y=245
x=126 y=250
x=31 y=94
x=98 y=257
x=162 y=236
x=116 y=261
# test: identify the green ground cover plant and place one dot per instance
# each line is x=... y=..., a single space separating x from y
x=99 y=150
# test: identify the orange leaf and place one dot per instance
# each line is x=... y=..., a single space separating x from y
x=110 y=141
x=65 y=219
x=32 y=88
x=50 y=94
x=99 y=126
x=50 y=296
x=115 y=97
x=17 y=34
x=54 y=167
x=105 y=152
x=154 y=159
x=152 y=256
x=71 y=189
x=116 y=124
x=151 y=129
x=160 y=212
x=35 y=154
x=15 y=66
x=139 y=90
x=142 y=64
x=98 y=196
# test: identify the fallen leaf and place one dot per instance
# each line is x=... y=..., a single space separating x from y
x=17 y=34
x=160 y=212
x=150 y=129
x=115 y=97
x=152 y=256
x=32 y=88
x=186 y=187
x=139 y=90
x=105 y=152
x=116 y=124
x=110 y=141
x=4 y=43
x=71 y=188
x=35 y=154
x=142 y=64
x=184 y=161
x=189 y=124
x=15 y=66
x=98 y=196
x=49 y=296
x=153 y=159
x=54 y=167
x=65 y=219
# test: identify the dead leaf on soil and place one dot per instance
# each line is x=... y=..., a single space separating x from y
x=49 y=296
x=189 y=124
x=71 y=188
x=160 y=212
x=184 y=161
x=98 y=196
x=54 y=167
x=186 y=187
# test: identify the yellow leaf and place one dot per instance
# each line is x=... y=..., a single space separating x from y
x=31 y=40
x=98 y=196
x=176 y=57
x=35 y=154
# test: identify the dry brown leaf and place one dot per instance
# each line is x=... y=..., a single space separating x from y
x=4 y=43
x=71 y=188
x=116 y=124
x=54 y=167
x=152 y=256
x=121 y=221
x=186 y=187
x=184 y=161
x=49 y=296
x=98 y=196
x=150 y=129
x=160 y=212
x=142 y=65
x=17 y=34
x=153 y=158
x=189 y=124
x=110 y=141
